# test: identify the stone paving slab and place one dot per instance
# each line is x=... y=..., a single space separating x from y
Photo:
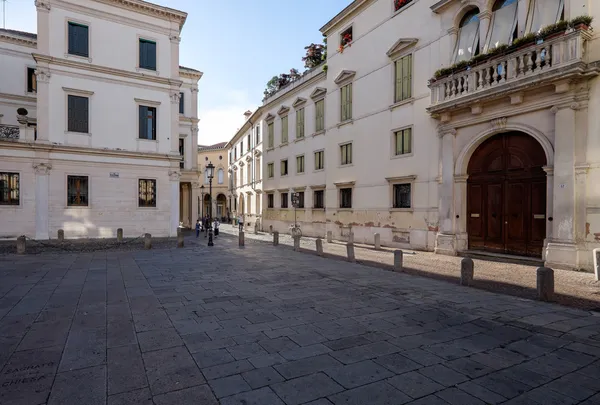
x=265 y=325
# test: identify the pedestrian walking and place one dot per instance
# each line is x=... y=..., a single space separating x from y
x=241 y=223
x=197 y=228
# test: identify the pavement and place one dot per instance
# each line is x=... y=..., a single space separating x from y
x=265 y=325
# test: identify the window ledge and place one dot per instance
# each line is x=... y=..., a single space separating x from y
x=341 y=124
x=300 y=173
x=299 y=139
x=147 y=140
x=403 y=155
x=147 y=208
x=319 y=170
x=401 y=210
x=281 y=145
x=82 y=58
x=145 y=70
x=321 y=132
x=78 y=207
x=318 y=209
x=346 y=209
x=401 y=103
x=78 y=133
x=31 y=93
x=269 y=149
x=17 y=206
x=347 y=165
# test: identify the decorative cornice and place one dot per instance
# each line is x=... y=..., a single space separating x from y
x=401 y=178
x=318 y=93
x=344 y=183
x=146 y=102
x=154 y=10
x=18 y=40
x=269 y=118
x=499 y=123
x=300 y=102
x=549 y=170
x=283 y=110
x=485 y=14
x=42 y=5
x=257 y=152
x=249 y=158
x=175 y=39
x=401 y=46
x=344 y=76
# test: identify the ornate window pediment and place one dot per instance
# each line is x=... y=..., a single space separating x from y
x=283 y=110
x=344 y=76
x=257 y=152
x=269 y=117
x=299 y=102
x=318 y=93
x=248 y=158
x=401 y=46
x=241 y=164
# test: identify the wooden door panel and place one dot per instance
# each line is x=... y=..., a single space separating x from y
x=475 y=215
x=517 y=208
x=537 y=218
x=494 y=237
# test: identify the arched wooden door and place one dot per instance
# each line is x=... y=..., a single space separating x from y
x=506 y=195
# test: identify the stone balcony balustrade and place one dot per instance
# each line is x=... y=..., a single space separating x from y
x=559 y=58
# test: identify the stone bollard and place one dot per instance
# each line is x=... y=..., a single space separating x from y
x=319 y=243
x=179 y=239
x=329 y=236
x=377 y=241
x=275 y=238
x=545 y=283
x=241 y=240
x=120 y=235
x=256 y=229
x=270 y=229
x=21 y=244
x=596 y=253
x=398 y=260
x=297 y=243
x=351 y=237
x=147 y=241
x=61 y=235
x=467 y=271
x=350 y=252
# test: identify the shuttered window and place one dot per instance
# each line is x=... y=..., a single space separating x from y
x=320 y=115
x=147 y=54
x=284 y=129
x=300 y=123
x=147 y=122
x=77 y=191
x=78 y=40
x=270 y=170
x=271 y=135
x=346 y=92
x=346 y=151
x=403 y=141
x=147 y=193
x=300 y=164
x=78 y=114
x=319 y=160
x=403 y=78
x=9 y=188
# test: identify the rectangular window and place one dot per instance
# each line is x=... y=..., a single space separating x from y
x=300 y=199
x=403 y=141
x=270 y=200
x=181 y=103
x=242 y=148
x=345 y=198
x=31 y=80
x=241 y=176
x=284 y=200
x=284 y=129
x=270 y=170
x=300 y=164
x=249 y=174
x=346 y=36
x=147 y=123
x=346 y=154
x=147 y=193
x=300 y=123
x=182 y=152
x=284 y=167
x=147 y=54
x=398 y=4
x=9 y=188
x=257 y=135
x=248 y=141
x=546 y=12
x=346 y=92
x=78 y=40
x=401 y=195
x=403 y=89
x=320 y=115
x=234 y=153
x=319 y=199
x=319 y=160
x=77 y=191
x=271 y=133
x=78 y=113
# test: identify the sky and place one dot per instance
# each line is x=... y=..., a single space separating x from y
x=238 y=45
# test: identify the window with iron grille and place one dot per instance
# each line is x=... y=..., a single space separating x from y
x=78 y=113
x=31 y=80
x=403 y=141
x=402 y=195
x=147 y=54
x=182 y=152
x=78 y=40
x=319 y=199
x=270 y=200
x=346 y=151
x=147 y=193
x=147 y=123
x=284 y=200
x=9 y=188
x=345 y=198
x=77 y=191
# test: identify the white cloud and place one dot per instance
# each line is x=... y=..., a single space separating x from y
x=221 y=124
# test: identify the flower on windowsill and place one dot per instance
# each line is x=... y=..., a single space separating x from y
x=398 y=4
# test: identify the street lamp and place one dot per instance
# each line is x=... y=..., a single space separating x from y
x=210 y=172
x=202 y=194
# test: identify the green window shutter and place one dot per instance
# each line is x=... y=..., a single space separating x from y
x=143 y=122
x=398 y=88
x=407 y=139
x=349 y=104
x=406 y=77
x=343 y=98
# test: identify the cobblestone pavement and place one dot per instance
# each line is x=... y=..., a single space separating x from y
x=577 y=289
x=268 y=326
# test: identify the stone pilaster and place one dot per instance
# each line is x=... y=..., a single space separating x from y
x=42 y=187
x=446 y=238
x=174 y=177
x=175 y=96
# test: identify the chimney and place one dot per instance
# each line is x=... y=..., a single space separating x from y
x=247 y=114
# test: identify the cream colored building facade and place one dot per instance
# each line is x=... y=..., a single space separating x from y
x=108 y=133
x=245 y=154
x=500 y=157
x=218 y=156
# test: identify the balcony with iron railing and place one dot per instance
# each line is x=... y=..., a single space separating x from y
x=9 y=132
x=532 y=62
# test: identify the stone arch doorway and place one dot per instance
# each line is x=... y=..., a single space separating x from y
x=221 y=207
x=506 y=195
x=206 y=205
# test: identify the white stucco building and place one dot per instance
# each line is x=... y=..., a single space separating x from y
x=245 y=159
x=110 y=113
x=499 y=154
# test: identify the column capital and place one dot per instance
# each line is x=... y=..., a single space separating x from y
x=42 y=5
x=43 y=75
x=581 y=169
x=485 y=15
x=549 y=170
x=499 y=123
x=174 y=175
x=42 y=169
x=444 y=130
x=175 y=39
x=175 y=96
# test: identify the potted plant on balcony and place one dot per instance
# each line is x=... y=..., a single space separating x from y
x=314 y=55
x=582 y=23
x=345 y=41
